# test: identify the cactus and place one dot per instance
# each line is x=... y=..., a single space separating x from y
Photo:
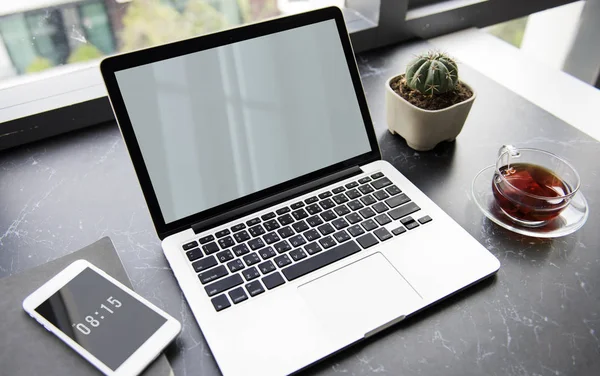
x=434 y=73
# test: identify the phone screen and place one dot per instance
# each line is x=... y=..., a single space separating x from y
x=102 y=318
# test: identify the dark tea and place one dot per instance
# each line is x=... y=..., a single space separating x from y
x=527 y=179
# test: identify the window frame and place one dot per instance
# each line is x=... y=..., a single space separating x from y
x=82 y=100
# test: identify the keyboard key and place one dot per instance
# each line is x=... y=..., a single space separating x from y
x=322 y=259
x=311 y=200
x=223 y=285
x=238 y=295
x=341 y=210
x=282 y=246
x=210 y=248
x=404 y=210
x=364 y=180
x=367 y=213
x=356 y=230
x=397 y=200
x=324 y=195
x=206 y=239
x=241 y=236
x=338 y=190
x=382 y=219
x=212 y=274
x=381 y=195
x=220 y=302
x=368 y=200
x=253 y=221
x=353 y=218
x=326 y=229
x=194 y=254
x=406 y=220
x=285 y=232
x=411 y=225
x=273 y=280
x=267 y=253
x=300 y=214
x=380 y=207
x=327 y=204
x=314 y=221
x=285 y=219
x=425 y=219
x=312 y=248
x=300 y=227
x=340 y=223
x=282 y=211
x=382 y=234
x=220 y=234
x=369 y=225
x=226 y=242
x=340 y=199
x=267 y=216
x=256 y=230
x=341 y=236
x=251 y=259
x=254 y=288
x=367 y=240
x=235 y=265
x=353 y=194
x=355 y=205
x=190 y=245
x=204 y=264
x=297 y=241
x=282 y=260
x=399 y=230
x=365 y=189
x=266 y=267
x=256 y=244
x=327 y=242
x=271 y=225
x=393 y=190
x=238 y=227
x=225 y=256
x=328 y=215
x=297 y=254
x=378 y=184
x=297 y=205
x=377 y=175
x=313 y=209
x=251 y=273
x=271 y=238
x=311 y=235
x=240 y=249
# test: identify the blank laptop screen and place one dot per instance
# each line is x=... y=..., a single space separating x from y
x=219 y=124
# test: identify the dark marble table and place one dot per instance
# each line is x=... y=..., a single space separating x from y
x=538 y=316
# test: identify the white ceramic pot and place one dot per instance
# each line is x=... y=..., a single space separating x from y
x=423 y=129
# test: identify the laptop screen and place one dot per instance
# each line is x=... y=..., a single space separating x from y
x=219 y=124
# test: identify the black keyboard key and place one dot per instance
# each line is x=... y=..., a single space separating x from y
x=253 y=221
x=382 y=234
x=311 y=235
x=425 y=219
x=285 y=219
x=256 y=230
x=300 y=214
x=266 y=217
x=382 y=219
x=297 y=205
x=381 y=195
x=369 y=225
x=251 y=273
x=351 y=185
x=212 y=274
x=353 y=194
x=226 y=242
x=328 y=215
x=365 y=189
x=399 y=230
x=256 y=244
x=326 y=229
x=367 y=213
x=312 y=248
x=220 y=234
x=406 y=220
x=300 y=226
x=341 y=210
x=282 y=260
x=311 y=200
x=266 y=267
x=340 y=223
x=285 y=232
x=377 y=175
x=411 y=225
x=324 y=195
x=327 y=204
x=368 y=200
x=271 y=225
x=240 y=249
x=322 y=259
x=282 y=246
x=404 y=210
x=314 y=221
x=340 y=199
x=297 y=240
x=223 y=285
x=225 y=256
x=364 y=180
x=238 y=227
x=327 y=242
x=383 y=182
x=241 y=236
x=341 y=236
x=220 y=302
x=238 y=295
x=271 y=238
x=235 y=265
x=313 y=209
x=254 y=288
x=356 y=230
x=251 y=259
x=273 y=280
x=210 y=248
x=355 y=205
x=367 y=240
x=338 y=190
x=267 y=253
x=194 y=254
x=393 y=190
x=397 y=200
x=297 y=254
x=282 y=211
x=190 y=245
x=380 y=207
x=353 y=218
x=206 y=239
x=204 y=264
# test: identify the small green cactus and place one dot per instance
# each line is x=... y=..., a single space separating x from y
x=433 y=73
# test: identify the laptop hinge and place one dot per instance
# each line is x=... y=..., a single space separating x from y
x=274 y=199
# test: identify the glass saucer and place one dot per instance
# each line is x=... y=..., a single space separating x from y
x=570 y=220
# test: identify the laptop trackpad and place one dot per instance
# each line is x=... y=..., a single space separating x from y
x=361 y=296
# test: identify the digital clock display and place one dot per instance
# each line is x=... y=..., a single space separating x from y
x=102 y=318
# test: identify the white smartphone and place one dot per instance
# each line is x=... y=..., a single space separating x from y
x=111 y=326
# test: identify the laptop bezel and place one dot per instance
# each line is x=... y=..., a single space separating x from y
x=113 y=64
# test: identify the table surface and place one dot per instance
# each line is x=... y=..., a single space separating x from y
x=538 y=316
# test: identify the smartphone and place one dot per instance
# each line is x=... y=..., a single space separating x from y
x=107 y=323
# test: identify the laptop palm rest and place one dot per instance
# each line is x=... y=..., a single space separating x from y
x=364 y=297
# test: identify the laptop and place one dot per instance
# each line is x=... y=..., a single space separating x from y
x=289 y=236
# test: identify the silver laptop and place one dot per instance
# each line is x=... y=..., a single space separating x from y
x=289 y=236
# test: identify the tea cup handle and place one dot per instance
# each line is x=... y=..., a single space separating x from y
x=505 y=153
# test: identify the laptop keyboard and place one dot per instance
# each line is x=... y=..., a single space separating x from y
x=265 y=252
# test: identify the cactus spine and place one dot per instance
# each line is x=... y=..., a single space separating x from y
x=434 y=73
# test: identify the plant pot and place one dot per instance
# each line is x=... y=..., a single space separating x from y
x=424 y=129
